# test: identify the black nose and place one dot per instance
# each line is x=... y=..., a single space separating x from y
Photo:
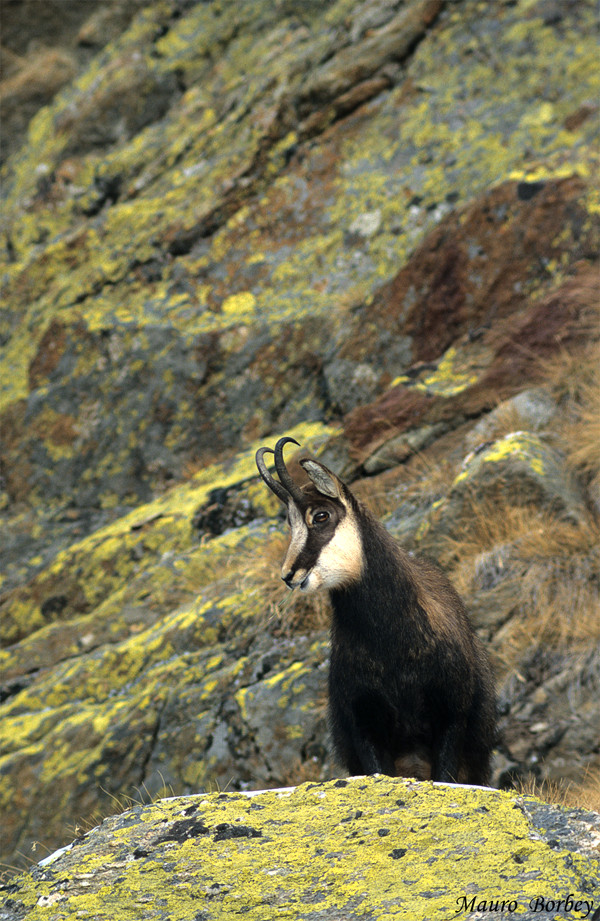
x=289 y=579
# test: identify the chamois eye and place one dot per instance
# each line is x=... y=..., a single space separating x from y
x=321 y=517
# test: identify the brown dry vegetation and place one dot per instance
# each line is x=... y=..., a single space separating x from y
x=545 y=570
x=581 y=435
x=423 y=478
x=583 y=795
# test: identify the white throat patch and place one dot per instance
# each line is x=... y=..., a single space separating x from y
x=340 y=562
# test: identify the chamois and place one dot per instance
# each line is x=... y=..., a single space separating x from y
x=411 y=691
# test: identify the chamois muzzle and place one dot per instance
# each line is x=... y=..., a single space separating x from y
x=286 y=489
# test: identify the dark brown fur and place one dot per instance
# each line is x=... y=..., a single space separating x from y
x=411 y=688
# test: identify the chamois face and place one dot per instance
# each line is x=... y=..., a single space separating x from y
x=325 y=549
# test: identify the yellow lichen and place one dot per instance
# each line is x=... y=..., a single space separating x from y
x=237 y=304
x=447 y=380
x=519 y=443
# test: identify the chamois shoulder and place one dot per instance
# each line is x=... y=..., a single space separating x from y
x=438 y=598
x=434 y=592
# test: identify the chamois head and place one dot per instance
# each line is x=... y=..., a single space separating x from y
x=325 y=549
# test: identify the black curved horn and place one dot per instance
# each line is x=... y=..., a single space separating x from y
x=273 y=485
x=286 y=480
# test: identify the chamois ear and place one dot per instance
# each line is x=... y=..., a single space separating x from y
x=325 y=481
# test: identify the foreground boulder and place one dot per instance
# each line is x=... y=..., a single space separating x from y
x=366 y=847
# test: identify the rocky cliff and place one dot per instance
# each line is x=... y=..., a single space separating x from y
x=372 y=226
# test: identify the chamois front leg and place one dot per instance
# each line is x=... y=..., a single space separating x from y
x=370 y=754
x=447 y=757
x=364 y=758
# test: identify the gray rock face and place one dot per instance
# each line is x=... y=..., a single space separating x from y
x=532 y=409
x=350 y=384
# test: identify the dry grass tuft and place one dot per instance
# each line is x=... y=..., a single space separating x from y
x=490 y=525
x=305 y=613
x=429 y=475
x=553 y=565
x=373 y=495
x=582 y=435
x=120 y=804
x=285 y=612
x=584 y=794
x=574 y=379
x=570 y=373
x=560 y=605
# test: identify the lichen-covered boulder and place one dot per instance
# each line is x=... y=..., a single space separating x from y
x=353 y=849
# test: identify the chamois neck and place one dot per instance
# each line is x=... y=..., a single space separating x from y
x=367 y=605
